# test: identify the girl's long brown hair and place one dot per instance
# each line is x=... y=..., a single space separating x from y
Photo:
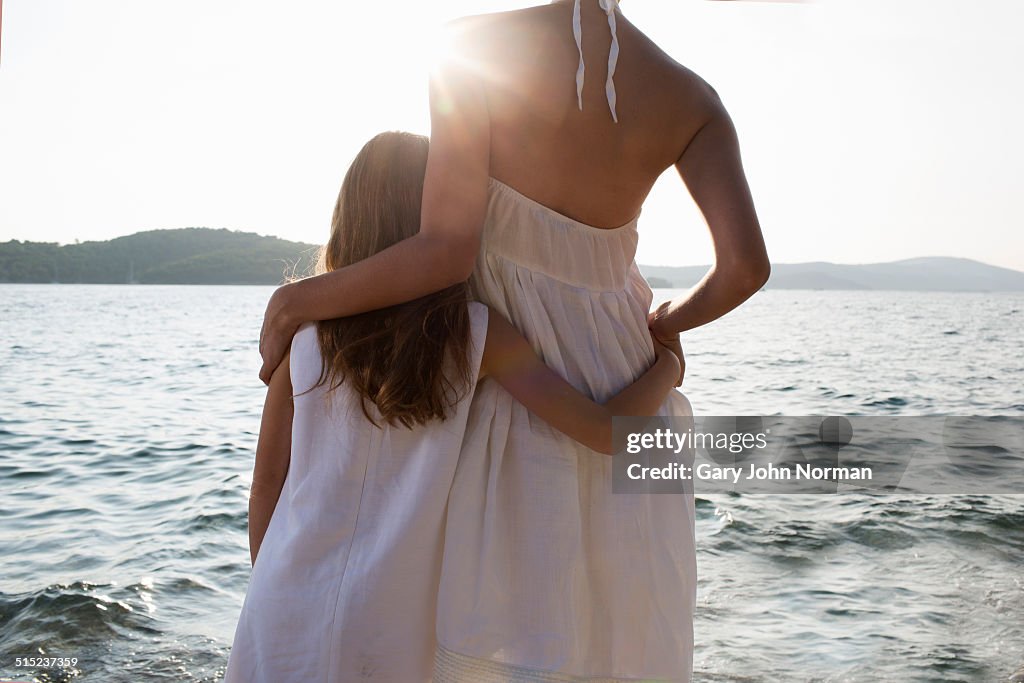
x=411 y=360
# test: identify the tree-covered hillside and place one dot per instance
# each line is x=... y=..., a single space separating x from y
x=185 y=256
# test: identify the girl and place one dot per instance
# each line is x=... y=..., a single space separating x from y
x=358 y=445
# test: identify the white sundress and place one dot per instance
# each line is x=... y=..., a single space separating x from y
x=345 y=584
x=547 y=574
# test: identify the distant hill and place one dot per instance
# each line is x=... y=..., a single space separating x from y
x=226 y=257
x=183 y=256
x=934 y=274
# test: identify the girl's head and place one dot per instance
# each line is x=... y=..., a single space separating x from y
x=410 y=360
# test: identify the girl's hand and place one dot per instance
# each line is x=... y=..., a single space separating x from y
x=671 y=345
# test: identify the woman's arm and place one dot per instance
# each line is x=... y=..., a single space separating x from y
x=440 y=255
x=510 y=360
x=273 y=454
x=713 y=171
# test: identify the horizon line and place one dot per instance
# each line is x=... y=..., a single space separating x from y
x=654 y=265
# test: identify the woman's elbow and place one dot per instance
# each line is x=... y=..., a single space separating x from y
x=462 y=266
x=760 y=271
x=454 y=260
x=747 y=275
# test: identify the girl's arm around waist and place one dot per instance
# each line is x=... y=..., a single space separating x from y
x=513 y=363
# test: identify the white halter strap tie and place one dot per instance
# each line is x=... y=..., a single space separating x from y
x=613 y=55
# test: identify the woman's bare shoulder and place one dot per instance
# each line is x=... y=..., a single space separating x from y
x=503 y=19
x=675 y=78
x=490 y=34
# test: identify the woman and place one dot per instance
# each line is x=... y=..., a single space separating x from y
x=539 y=164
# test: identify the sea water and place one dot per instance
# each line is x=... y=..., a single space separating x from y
x=128 y=423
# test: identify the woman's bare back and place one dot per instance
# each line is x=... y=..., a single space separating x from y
x=504 y=105
x=581 y=163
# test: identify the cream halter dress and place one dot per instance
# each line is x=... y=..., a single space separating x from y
x=548 y=575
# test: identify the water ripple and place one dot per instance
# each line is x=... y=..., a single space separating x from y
x=127 y=451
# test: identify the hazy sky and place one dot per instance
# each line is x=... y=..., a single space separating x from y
x=872 y=130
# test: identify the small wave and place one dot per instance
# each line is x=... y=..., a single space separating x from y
x=1010 y=521
x=186 y=584
x=982 y=516
x=34 y=474
x=38 y=404
x=153 y=451
x=892 y=401
x=71 y=614
x=705 y=508
x=78 y=442
x=990 y=449
x=75 y=514
x=108 y=629
x=194 y=658
x=238 y=520
x=795 y=536
x=870 y=533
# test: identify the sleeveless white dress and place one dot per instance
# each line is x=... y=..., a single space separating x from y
x=345 y=584
x=548 y=575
